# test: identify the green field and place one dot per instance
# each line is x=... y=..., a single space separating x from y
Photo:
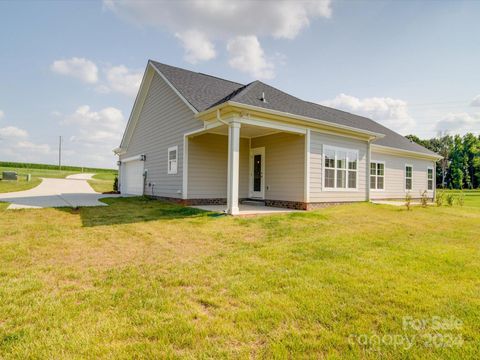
x=145 y=279
x=38 y=171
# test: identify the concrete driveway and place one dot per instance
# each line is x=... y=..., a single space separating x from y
x=55 y=193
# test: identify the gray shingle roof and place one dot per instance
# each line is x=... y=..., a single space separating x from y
x=204 y=91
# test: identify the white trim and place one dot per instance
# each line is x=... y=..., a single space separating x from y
x=335 y=188
x=274 y=125
x=405 y=177
x=433 y=178
x=376 y=176
x=132 y=158
x=306 y=180
x=195 y=111
x=185 y=168
x=256 y=194
x=293 y=116
x=170 y=149
x=395 y=151
x=137 y=109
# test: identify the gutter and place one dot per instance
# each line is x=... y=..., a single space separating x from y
x=374 y=135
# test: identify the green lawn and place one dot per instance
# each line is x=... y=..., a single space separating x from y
x=144 y=279
x=104 y=184
x=472 y=197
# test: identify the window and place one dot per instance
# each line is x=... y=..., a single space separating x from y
x=408 y=177
x=172 y=159
x=340 y=168
x=377 y=175
x=430 y=178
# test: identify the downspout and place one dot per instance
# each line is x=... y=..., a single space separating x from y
x=369 y=156
x=220 y=119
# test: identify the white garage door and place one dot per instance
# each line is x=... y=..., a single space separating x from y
x=133 y=178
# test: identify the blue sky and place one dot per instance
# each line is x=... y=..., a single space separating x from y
x=73 y=68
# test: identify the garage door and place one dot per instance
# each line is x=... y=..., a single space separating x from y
x=133 y=178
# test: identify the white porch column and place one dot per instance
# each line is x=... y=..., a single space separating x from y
x=369 y=159
x=233 y=167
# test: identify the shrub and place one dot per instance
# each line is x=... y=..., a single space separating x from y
x=461 y=199
x=440 y=198
x=115 y=184
x=450 y=199
x=408 y=201
x=424 y=199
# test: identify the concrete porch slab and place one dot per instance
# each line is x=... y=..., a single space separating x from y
x=247 y=209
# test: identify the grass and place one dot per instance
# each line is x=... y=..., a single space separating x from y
x=145 y=279
x=103 y=182
x=42 y=172
x=471 y=197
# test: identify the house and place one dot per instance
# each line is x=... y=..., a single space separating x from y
x=198 y=139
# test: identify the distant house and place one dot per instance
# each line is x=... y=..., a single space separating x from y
x=198 y=139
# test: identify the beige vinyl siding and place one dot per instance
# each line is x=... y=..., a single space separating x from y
x=284 y=165
x=395 y=176
x=162 y=122
x=208 y=166
x=317 y=141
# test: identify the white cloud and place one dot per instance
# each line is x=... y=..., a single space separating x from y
x=475 y=101
x=2 y=114
x=33 y=148
x=246 y=55
x=108 y=119
x=93 y=135
x=459 y=123
x=392 y=113
x=79 y=68
x=197 y=46
x=12 y=132
x=198 y=23
x=122 y=80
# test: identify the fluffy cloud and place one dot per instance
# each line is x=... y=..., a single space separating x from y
x=12 y=132
x=79 y=68
x=197 y=46
x=459 y=123
x=475 y=101
x=33 y=148
x=392 y=113
x=123 y=80
x=246 y=55
x=197 y=23
x=93 y=135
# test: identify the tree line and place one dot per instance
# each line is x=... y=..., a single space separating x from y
x=460 y=166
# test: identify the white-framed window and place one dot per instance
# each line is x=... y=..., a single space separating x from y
x=408 y=177
x=377 y=175
x=340 y=170
x=172 y=159
x=430 y=178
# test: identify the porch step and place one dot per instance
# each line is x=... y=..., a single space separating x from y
x=253 y=202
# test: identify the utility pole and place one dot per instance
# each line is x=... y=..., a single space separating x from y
x=60 y=152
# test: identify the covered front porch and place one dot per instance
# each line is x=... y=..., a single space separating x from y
x=241 y=159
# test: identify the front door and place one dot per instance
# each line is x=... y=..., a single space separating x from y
x=257 y=172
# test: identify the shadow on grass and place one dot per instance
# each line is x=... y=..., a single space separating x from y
x=134 y=210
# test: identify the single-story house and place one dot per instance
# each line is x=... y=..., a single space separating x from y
x=198 y=139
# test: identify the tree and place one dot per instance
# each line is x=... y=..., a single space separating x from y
x=457 y=167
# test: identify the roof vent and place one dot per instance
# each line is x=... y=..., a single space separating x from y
x=263 y=99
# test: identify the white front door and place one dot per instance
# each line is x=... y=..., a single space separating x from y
x=257 y=173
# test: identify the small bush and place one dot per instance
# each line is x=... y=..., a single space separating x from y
x=408 y=201
x=115 y=184
x=461 y=199
x=440 y=198
x=450 y=199
x=424 y=199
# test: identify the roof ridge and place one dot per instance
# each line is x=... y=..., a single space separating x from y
x=195 y=72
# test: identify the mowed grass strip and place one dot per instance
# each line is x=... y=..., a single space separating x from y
x=146 y=279
x=103 y=182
